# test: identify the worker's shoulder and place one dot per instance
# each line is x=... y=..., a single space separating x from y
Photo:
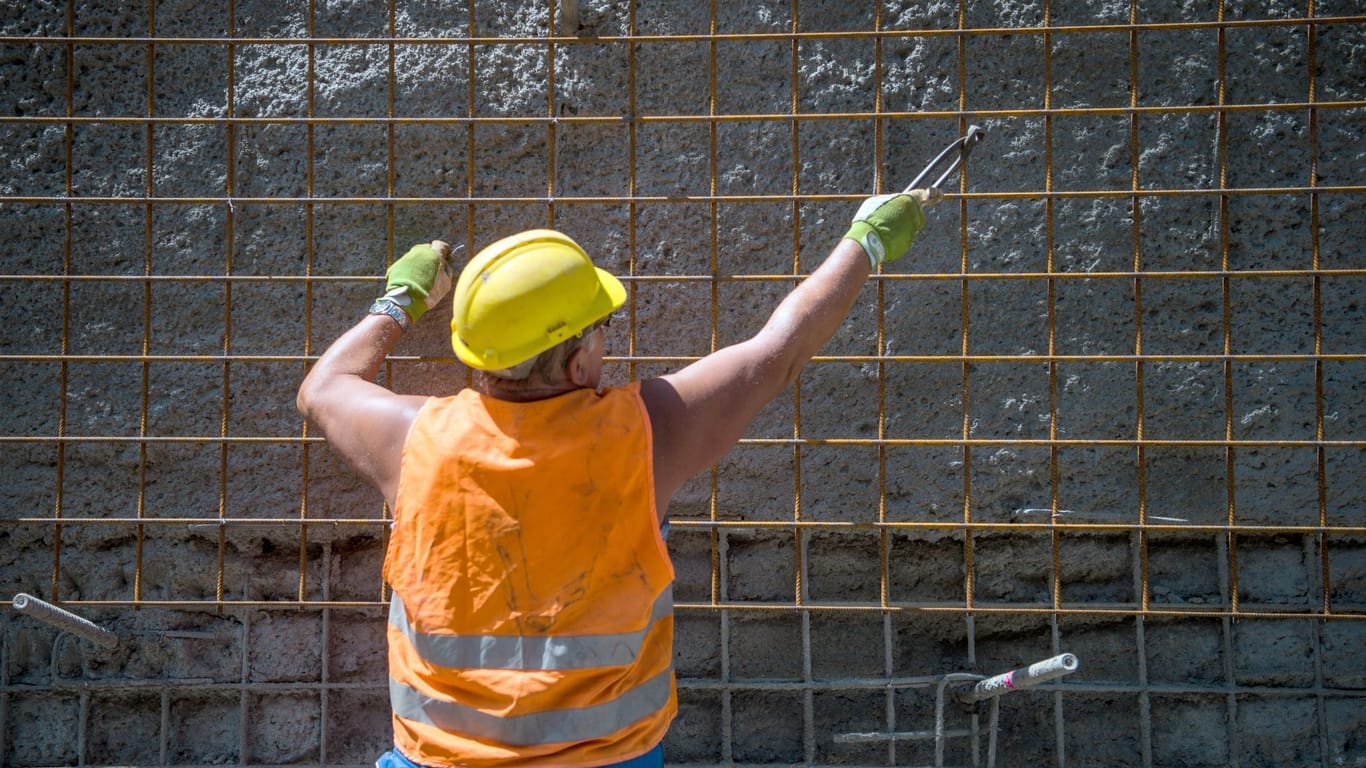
x=659 y=395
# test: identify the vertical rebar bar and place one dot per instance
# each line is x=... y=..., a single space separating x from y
x=229 y=255
x=551 y=123
x=880 y=345
x=148 y=269
x=965 y=369
x=632 y=187
x=310 y=250
x=1320 y=541
x=1230 y=540
x=64 y=370
x=720 y=543
x=4 y=692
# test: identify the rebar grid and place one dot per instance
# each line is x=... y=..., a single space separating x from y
x=976 y=526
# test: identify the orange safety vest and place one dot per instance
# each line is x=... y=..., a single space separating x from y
x=532 y=611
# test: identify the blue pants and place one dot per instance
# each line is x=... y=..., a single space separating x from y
x=652 y=759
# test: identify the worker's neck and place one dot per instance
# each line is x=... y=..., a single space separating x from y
x=527 y=390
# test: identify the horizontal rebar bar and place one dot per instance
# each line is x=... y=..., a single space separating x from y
x=1088 y=687
x=726 y=277
x=977 y=527
x=1040 y=610
x=731 y=117
x=1193 y=611
x=872 y=737
x=844 y=197
x=1080 y=442
x=794 y=35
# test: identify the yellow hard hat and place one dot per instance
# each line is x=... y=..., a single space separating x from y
x=523 y=295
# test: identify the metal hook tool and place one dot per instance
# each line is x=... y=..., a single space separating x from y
x=963 y=144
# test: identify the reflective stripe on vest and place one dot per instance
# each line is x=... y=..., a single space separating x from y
x=528 y=653
x=562 y=725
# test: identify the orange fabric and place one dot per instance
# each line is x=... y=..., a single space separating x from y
x=529 y=523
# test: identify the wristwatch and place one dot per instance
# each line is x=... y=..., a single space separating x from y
x=387 y=306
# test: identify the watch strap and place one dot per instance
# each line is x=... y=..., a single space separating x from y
x=387 y=306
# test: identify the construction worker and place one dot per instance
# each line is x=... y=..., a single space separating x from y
x=532 y=615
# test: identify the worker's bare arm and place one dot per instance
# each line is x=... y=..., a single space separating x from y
x=699 y=412
x=362 y=421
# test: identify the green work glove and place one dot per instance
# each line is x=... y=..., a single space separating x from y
x=420 y=279
x=885 y=225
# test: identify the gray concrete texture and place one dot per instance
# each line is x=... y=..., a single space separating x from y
x=166 y=281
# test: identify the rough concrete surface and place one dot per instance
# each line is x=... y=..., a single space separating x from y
x=165 y=282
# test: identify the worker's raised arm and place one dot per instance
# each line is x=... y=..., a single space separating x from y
x=364 y=422
x=699 y=412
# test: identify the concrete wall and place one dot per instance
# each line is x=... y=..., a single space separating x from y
x=1193 y=434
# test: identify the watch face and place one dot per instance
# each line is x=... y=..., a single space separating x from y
x=386 y=306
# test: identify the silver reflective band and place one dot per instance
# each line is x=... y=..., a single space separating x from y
x=540 y=727
x=872 y=243
x=528 y=653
